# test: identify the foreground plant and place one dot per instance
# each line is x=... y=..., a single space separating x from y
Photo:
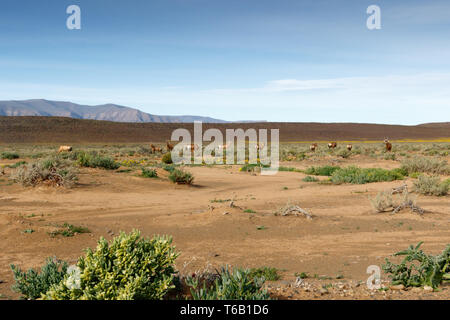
x=53 y=171
x=419 y=269
x=128 y=268
x=32 y=284
x=228 y=284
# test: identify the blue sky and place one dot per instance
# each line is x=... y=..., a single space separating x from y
x=277 y=60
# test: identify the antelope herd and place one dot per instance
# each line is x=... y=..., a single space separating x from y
x=313 y=147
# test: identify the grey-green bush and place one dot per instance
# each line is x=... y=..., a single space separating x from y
x=32 y=284
x=431 y=185
x=229 y=284
x=52 y=171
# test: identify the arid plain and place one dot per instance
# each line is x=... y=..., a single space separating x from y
x=234 y=216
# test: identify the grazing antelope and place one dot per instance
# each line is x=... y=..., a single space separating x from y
x=349 y=147
x=155 y=149
x=64 y=149
x=191 y=147
x=169 y=146
x=388 y=145
x=332 y=145
x=313 y=147
x=259 y=146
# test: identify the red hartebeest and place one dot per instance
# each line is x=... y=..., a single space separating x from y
x=388 y=145
x=313 y=147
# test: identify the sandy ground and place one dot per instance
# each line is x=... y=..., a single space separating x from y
x=344 y=237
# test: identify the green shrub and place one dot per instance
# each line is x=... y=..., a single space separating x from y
x=127 y=268
x=253 y=167
x=51 y=171
x=431 y=185
x=92 y=160
x=390 y=156
x=289 y=169
x=357 y=175
x=32 y=284
x=167 y=158
x=16 y=165
x=310 y=179
x=344 y=153
x=426 y=165
x=322 y=171
x=236 y=284
x=69 y=230
x=168 y=167
x=268 y=273
x=181 y=177
x=149 y=173
x=419 y=269
x=10 y=155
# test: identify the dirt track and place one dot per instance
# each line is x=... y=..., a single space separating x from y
x=344 y=237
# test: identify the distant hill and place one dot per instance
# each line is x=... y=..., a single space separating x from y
x=108 y=112
x=66 y=130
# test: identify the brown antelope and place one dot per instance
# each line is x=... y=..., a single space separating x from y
x=259 y=146
x=313 y=147
x=191 y=147
x=349 y=147
x=155 y=149
x=64 y=149
x=332 y=145
x=388 y=145
x=169 y=146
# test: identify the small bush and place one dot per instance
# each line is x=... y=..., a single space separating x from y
x=253 y=167
x=322 y=171
x=344 y=153
x=426 y=165
x=10 y=155
x=382 y=201
x=310 y=179
x=93 y=160
x=357 y=175
x=181 y=177
x=127 y=268
x=236 y=284
x=268 y=273
x=149 y=173
x=168 y=167
x=32 y=284
x=69 y=230
x=16 y=165
x=390 y=156
x=51 y=171
x=167 y=158
x=431 y=185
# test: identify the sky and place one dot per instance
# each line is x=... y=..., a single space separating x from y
x=275 y=60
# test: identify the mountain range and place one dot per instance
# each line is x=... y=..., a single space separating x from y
x=108 y=112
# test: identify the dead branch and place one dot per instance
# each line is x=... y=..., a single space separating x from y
x=295 y=210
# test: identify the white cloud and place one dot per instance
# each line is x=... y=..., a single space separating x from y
x=406 y=99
